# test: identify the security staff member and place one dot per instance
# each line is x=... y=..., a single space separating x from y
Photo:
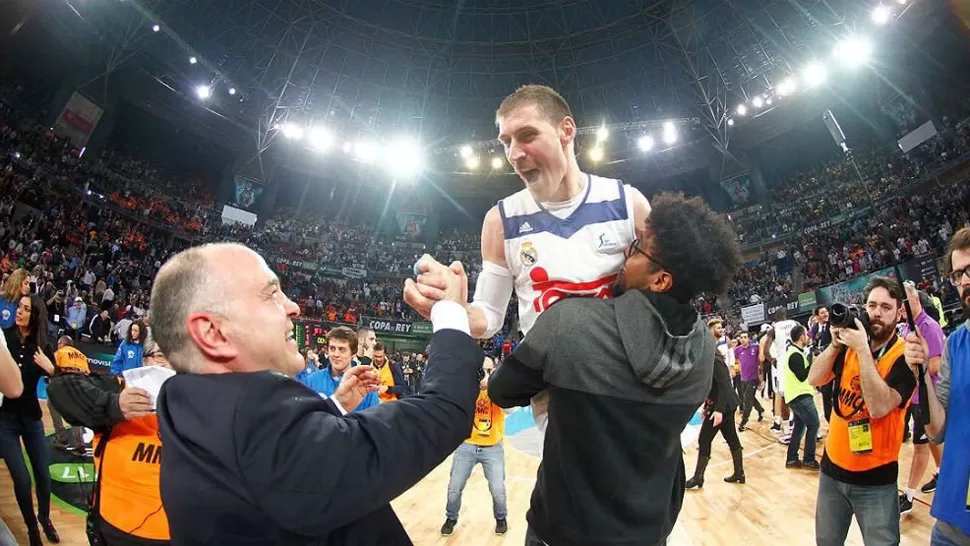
x=127 y=452
x=872 y=388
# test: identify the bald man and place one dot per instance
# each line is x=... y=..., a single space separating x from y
x=252 y=455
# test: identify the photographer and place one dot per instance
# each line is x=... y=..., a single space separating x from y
x=872 y=387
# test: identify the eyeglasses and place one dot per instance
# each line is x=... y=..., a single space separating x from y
x=956 y=276
x=635 y=247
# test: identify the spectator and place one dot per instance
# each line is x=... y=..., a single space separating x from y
x=341 y=346
x=16 y=286
x=76 y=318
x=129 y=354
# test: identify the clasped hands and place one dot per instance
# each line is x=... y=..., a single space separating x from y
x=435 y=282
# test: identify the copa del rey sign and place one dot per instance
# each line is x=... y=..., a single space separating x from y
x=390 y=326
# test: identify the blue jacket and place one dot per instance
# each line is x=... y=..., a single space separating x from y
x=8 y=312
x=307 y=370
x=77 y=316
x=950 y=499
x=323 y=382
x=127 y=357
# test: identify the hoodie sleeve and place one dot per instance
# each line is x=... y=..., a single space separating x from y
x=118 y=364
x=522 y=375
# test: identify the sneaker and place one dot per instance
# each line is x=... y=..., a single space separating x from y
x=785 y=440
x=449 y=527
x=501 y=526
x=793 y=464
x=776 y=427
x=930 y=485
x=905 y=505
x=761 y=416
x=811 y=465
x=742 y=427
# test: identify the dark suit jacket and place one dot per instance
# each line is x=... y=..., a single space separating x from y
x=257 y=458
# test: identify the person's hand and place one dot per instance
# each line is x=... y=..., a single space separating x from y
x=41 y=360
x=836 y=334
x=423 y=294
x=855 y=338
x=912 y=296
x=382 y=389
x=716 y=418
x=135 y=403
x=354 y=386
x=916 y=351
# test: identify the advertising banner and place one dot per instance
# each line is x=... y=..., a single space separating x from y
x=78 y=119
x=391 y=326
x=789 y=304
x=753 y=315
x=807 y=302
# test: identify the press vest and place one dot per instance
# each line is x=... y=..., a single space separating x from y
x=131 y=499
x=887 y=432
x=949 y=501
x=69 y=359
x=793 y=387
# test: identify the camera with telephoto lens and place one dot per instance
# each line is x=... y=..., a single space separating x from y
x=843 y=316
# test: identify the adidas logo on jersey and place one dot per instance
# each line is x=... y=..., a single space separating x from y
x=525 y=228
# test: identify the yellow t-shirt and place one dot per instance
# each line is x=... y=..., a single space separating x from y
x=386 y=378
x=488 y=428
x=69 y=359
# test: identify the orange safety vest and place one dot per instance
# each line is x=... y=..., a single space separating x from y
x=488 y=426
x=131 y=498
x=887 y=432
x=69 y=359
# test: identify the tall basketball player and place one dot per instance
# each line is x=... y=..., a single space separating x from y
x=564 y=235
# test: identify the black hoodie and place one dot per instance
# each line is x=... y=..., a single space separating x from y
x=624 y=378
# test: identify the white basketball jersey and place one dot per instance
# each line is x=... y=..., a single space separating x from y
x=581 y=255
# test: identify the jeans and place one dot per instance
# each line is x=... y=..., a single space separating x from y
x=876 y=508
x=749 y=400
x=806 y=417
x=493 y=463
x=939 y=538
x=12 y=429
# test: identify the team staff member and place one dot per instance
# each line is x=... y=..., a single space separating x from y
x=127 y=451
x=949 y=405
x=483 y=446
x=393 y=385
x=800 y=397
x=821 y=336
x=873 y=385
x=67 y=359
x=747 y=355
x=719 y=409
x=341 y=346
x=624 y=377
x=251 y=455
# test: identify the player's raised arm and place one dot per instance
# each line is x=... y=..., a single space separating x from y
x=486 y=313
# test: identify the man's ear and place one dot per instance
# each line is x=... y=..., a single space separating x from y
x=208 y=333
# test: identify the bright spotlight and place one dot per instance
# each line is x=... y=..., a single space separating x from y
x=320 y=139
x=768 y=101
x=814 y=74
x=466 y=151
x=156 y=28
x=405 y=158
x=497 y=163
x=730 y=122
x=203 y=91
x=881 y=14
x=645 y=143
x=854 y=51
x=670 y=137
x=596 y=154
x=364 y=150
x=758 y=102
x=602 y=134
x=232 y=90
x=472 y=162
x=786 y=87
x=742 y=109
x=292 y=131
x=348 y=147
x=193 y=60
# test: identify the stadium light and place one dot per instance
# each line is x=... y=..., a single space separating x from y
x=203 y=91
x=645 y=143
x=232 y=90
x=466 y=151
x=854 y=51
x=405 y=158
x=730 y=122
x=881 y=14
x=193 y=60
x=348 y=147
x=364 y=150
x=320 y=139
x=472 y=162
x=786 y=87
x=596 y=154
x=602 y=134
x=292 y=131
x=156 y=28
x=742 y=110
x=758 y=102
x=814 y=74
x=670 y=133
x=497 y=163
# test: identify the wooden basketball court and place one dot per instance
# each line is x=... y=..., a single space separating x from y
x=776 y=505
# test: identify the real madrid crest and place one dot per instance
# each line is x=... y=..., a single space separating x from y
x=529 y=255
